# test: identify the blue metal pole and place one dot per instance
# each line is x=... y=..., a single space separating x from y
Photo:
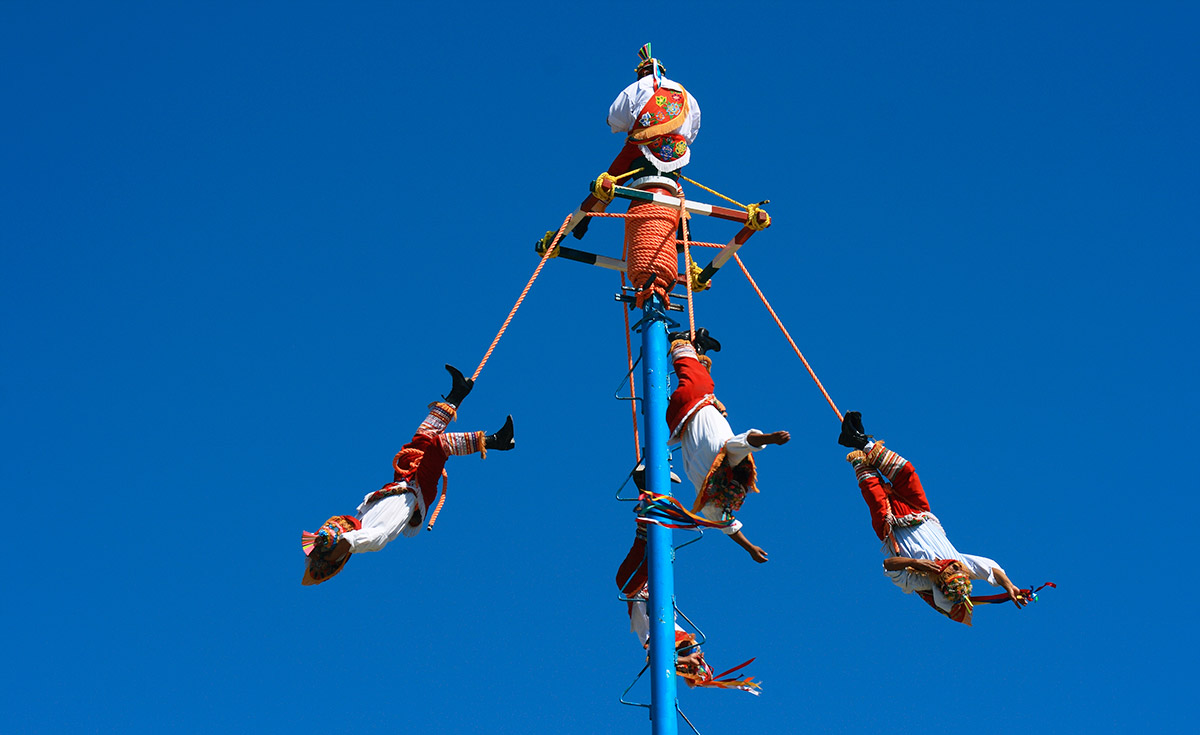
x=659 y=542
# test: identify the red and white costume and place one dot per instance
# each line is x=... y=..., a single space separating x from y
x=400 y=506
x=661 y=119
x=902 y=519
x=716 y=460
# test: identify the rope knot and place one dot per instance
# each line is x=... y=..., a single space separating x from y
x=752 y=217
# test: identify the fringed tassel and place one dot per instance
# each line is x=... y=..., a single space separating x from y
x=862 y=470
x=440 y=416
x=682 y=348
x=463 y=443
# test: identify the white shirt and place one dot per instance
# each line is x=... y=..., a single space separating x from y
x=706 y=435
x=623 y=113
x=928 y=541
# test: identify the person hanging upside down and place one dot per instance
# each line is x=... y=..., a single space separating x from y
x=718 y=462
x=632 y=580
x=919 y=556
x=660 y=119
x=399 y=506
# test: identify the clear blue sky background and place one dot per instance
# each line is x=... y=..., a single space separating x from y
x=239 y=244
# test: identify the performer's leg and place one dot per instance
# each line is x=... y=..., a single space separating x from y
x=874 y=493
x=632 y=574
x=624 y=162
x=906 y=485
x=382 y=522
x=694 y=379
x=440 y=416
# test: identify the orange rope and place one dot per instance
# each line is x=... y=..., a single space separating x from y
x=687 y=268
x=441 y=501
x=637 y=442
x=789 y=337
x=545 y=256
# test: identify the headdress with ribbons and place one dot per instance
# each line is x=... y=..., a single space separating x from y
x=647 y=61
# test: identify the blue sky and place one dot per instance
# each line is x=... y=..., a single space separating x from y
x=240 y=242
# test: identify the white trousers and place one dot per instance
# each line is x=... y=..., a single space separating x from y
x=382 y=521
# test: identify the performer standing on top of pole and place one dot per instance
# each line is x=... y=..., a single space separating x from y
x=660 y=118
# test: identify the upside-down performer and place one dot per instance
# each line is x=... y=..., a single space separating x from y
x=632 y=580
x=399 y=506
x=919 y=556
x=717 y=461
x=660 y=119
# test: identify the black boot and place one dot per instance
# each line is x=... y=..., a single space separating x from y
x=502 y=440
x=705 y=342
x=460 y=388
x=853 y=435
x=673 y=336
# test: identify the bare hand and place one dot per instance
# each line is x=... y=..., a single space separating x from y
x=775 y=437
x=757 y=554
x=341 y=550
x=1015 y=595
x=926 y=566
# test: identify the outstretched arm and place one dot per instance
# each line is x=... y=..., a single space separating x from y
x=1014 y=593
x=755 y=552
x=922 y=566
x=762 y=440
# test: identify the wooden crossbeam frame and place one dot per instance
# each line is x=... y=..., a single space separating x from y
x=707 y=210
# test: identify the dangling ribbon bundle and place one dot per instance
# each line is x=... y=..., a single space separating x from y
x=1029 y=595
x=706 y=678
x=664 y=510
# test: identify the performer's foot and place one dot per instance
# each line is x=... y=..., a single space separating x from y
x=502 y=440
x=705 y=342
x=853 y=435
x=673 y=337
x=460 y=388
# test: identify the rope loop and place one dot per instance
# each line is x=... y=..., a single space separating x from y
x=598 y=187
x=752 y=217
x=694 y=278
x=544 y=244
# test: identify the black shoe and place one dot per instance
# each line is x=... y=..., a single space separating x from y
x=460 y=387
x=673 y=336
x=502 y=440
x=853 y=435
x=581 y=228
x=705 y=342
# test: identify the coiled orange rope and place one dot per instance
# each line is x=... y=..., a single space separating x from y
x=650 y=249
x=789 y=337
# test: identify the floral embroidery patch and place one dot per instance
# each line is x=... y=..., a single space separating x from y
x=666 y=149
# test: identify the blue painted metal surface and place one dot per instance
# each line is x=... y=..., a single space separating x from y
x=659 y=553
